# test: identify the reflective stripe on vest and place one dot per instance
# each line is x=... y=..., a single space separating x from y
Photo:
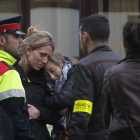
x=11 y=93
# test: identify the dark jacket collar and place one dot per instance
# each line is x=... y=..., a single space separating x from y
x=131 y=55
x=101 y=48
x=21 y=72
x=33 y=76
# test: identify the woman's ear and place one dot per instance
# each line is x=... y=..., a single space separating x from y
x=61 y=64
x=28 y=50
x=124 y=43
x=126 y=49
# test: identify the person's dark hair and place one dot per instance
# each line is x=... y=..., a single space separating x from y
x=97 y=26
x=131 y=34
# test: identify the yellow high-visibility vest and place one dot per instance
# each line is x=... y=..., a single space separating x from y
x=10 y=82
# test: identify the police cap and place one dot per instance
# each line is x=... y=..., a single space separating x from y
x=11 y=25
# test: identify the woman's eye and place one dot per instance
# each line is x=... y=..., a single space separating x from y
x=42 y=54
x=52 y=71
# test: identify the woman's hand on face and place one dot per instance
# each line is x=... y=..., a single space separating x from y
x=34 y=113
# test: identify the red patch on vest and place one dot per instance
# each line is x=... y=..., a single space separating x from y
x=3 y=68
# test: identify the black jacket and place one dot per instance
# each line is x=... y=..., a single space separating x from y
x=122 y=84
x=87 y=122
x=34 y=87
x=6 y=126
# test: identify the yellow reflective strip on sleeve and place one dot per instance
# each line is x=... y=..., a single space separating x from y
x=10 y=80
x=83 y=106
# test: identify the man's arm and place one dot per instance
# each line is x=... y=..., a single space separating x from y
x=83 y=94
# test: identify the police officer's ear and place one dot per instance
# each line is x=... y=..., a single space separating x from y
x=2 y=41
x=28 y=50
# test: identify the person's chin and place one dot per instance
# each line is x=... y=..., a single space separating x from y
x=37 y=68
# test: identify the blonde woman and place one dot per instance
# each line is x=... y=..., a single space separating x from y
x=36 y=48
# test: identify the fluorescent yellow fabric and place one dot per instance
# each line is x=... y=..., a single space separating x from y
x=7 y=58
x=83 y=106
x=10 y=82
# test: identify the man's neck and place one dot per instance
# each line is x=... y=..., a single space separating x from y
x=93 y=44
x=2 y=48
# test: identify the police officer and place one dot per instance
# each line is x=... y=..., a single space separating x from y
x=12 y=94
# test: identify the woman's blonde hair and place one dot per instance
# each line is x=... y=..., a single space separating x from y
x=36 y=39
x=56 y=58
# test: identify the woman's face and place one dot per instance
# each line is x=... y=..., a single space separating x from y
x=53 y=71
x=38 y=58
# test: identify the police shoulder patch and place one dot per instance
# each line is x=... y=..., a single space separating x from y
x=3 y=68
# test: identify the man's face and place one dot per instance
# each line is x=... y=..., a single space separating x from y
x=13 y=45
